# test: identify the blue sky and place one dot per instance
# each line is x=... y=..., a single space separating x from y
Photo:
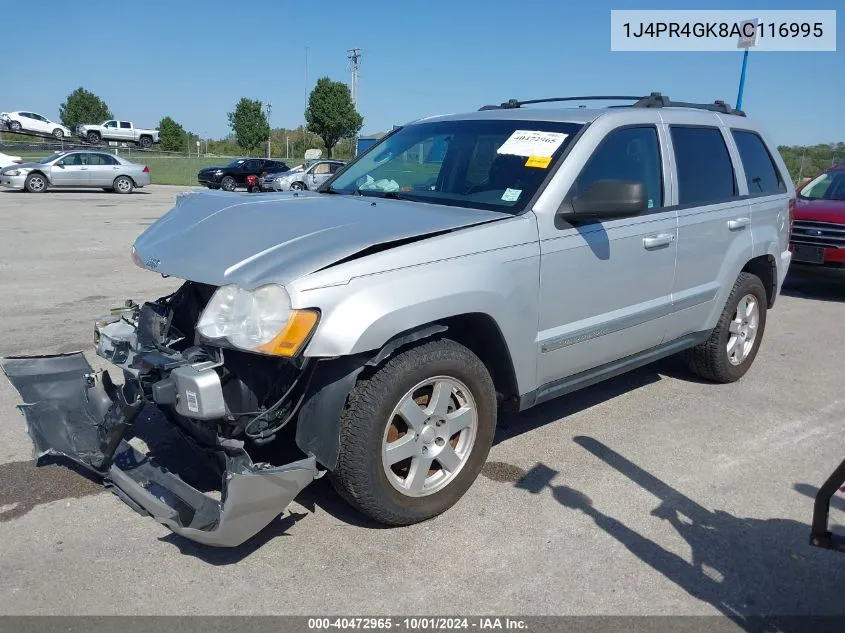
x=193 y=60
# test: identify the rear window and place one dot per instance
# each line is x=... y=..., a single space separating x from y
x=761 y=174
x=705 y=171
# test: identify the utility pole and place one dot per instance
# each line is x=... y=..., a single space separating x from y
x=354 y=56
x=270 y=133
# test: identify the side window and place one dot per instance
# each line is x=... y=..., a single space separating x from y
x=110 y=124
x=108 y=159
x=70 y=159
x=321 y=169
x=631 y=153
x=761 y=173
x=334 y=168
x=125 y=125
x=705 y=172
x=251 y=165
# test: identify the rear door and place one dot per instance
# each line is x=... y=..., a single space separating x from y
x=102 y=170
x=714 y=222
x=125 y=131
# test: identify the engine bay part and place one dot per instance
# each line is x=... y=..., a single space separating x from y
x=224 y=402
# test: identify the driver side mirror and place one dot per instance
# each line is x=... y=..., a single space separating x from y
x=606 y=200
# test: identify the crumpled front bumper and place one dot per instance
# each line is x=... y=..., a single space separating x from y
x=74 y=412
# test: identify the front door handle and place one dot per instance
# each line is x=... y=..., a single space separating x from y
x=739 y=223
x=658 y=241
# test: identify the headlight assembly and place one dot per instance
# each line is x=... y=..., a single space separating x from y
x=13 y=172
x=260 y=320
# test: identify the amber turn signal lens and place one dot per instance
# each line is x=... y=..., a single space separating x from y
x=288 y=342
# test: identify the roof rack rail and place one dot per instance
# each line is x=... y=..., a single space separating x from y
x=654 y=100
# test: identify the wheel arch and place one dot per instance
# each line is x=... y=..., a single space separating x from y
x=765 y=267
x=318 y=423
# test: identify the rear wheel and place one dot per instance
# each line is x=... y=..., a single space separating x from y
x=228 y=184
x=35 y=183
x=123 y=184
x=415 y=434
x=15 y=126
x=732 y=347
x=93 y=137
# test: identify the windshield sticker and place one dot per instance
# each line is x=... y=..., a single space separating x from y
x=511 y=195
x=532 y=143
x=538 y=161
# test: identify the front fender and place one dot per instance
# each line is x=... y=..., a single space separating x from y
x=366 y=313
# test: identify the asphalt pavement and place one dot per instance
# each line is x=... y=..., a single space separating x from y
x=653 y=493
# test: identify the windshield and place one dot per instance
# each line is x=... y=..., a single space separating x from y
x=50 y=158
x=236 y=162
x=488 y=164
x=828 y=186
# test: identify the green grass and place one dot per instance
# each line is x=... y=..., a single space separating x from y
x=169 y=170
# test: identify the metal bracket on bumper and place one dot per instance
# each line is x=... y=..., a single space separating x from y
x=72 y=411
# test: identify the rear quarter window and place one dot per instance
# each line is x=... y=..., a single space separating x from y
x=761 y=173
x=705 y=171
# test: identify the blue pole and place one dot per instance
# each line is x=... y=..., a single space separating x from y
x=742 y=80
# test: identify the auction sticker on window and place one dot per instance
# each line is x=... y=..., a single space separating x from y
x=511 y=195
x=538 y=161
x=532 y=143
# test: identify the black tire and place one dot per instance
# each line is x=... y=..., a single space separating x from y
x=123 y=184
x=14 y=126
x=228 y=184
x=146 y=142
x=359 y=476
x=298 y=186
x=93 y=137
x=710 y=360
x=36 y=183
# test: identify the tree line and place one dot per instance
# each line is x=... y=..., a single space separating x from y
x=330 y=117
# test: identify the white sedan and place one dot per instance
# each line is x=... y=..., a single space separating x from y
x=6 y=160
x=30 y=122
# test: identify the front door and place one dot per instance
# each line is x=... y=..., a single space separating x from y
x=318 y=174
x=70 y=171
x=605 y=287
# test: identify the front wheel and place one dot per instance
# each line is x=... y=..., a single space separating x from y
x=145 y=142
x=730 y=350
x=228 y=184
x=297 y=186
x=35 y=183
x=93 y=138
x=59 y=134
x=415 y=433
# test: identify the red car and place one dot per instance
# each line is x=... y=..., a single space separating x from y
x=818 y=230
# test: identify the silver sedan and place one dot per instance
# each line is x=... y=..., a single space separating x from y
x=80 y=168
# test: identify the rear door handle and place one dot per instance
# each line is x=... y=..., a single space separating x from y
x=739 y=223
x=659 y=240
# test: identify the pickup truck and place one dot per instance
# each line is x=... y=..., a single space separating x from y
x=118 y=131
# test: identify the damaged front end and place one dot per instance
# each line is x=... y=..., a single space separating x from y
x=221 y=402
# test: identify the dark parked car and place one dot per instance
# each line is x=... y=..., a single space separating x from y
x=235 y=174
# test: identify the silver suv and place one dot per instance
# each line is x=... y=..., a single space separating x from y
x=464 y=264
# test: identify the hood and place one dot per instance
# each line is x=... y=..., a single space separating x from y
x=26 y=166
x=222 y=238
x=820 y=210
x=208 y=169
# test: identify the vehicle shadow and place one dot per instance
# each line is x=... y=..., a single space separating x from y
x=511 y=424
x=762 y=574
x=821 y=284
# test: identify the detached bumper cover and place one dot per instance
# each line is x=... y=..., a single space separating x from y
x=72 y=411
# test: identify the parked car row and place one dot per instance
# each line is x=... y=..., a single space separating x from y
x=26 y=122
x=262 y=174
x=78 y=168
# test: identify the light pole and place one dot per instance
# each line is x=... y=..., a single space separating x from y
x=747 y=40
x=270 y=133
